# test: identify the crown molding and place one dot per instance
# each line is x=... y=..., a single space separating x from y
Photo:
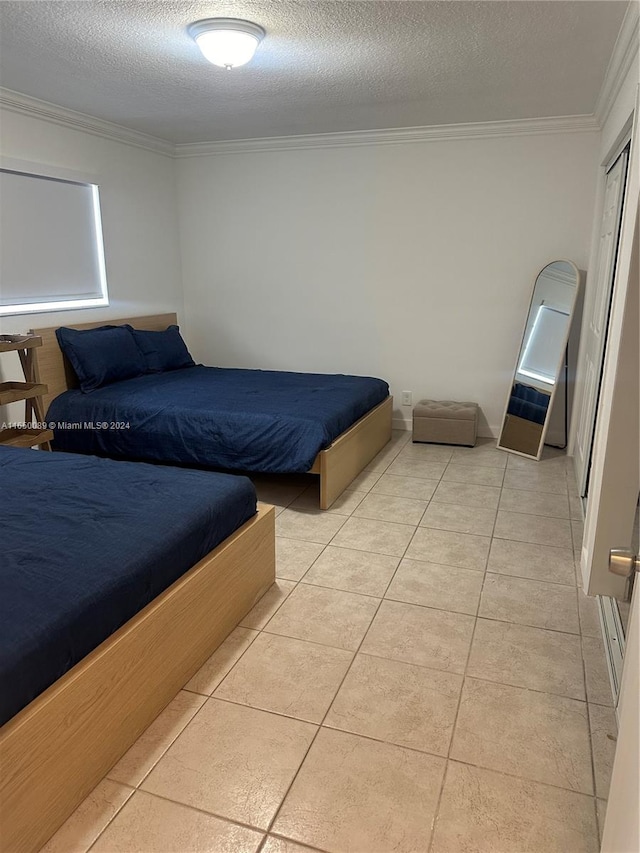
x=625 y=52
x=34 y=108
x=393 y=136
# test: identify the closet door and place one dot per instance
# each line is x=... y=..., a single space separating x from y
x=598 y=311
x=614 y=479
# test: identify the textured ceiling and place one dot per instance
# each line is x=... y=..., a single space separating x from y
x=323 y=66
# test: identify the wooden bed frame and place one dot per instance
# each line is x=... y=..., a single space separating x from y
x=62 y=744
x=337 y=466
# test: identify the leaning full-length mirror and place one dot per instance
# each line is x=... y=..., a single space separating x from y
x=540 y=359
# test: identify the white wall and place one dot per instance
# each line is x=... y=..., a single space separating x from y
x=413 y=262
x=137 y=193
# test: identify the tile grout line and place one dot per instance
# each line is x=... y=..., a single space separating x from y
x=208 y=696
x=137 y=788
x=400 y=661
x=485 y=572
x=239 y=823
x=324 y=547
x=527 y=624
x=215 y=815
x=262 y=629
x=462 y=685
x=306 y=846
x=459 y=703
x=429 y=562
x=164 y=751
x=525 y=577
x=593 y=765
x=401 y=746
x=320 y=726
x=109 y=822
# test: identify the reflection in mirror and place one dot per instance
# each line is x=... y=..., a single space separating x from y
x=540 y=359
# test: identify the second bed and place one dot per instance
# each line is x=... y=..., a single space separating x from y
x=236 y=420
x=117 y=582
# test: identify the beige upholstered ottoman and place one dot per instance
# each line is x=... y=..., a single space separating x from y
x=445 y=422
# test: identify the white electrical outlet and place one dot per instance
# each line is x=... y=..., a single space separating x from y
x=406 y=398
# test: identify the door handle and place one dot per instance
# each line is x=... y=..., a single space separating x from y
x=623 y=562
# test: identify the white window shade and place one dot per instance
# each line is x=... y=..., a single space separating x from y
x=51 y=250
x=547 y=340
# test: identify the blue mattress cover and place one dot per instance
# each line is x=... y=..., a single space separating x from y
x=233 y=419
x=85 y=544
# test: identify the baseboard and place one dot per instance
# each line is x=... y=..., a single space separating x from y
x=401 y=423
x=556 y=439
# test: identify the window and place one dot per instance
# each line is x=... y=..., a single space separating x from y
x=546 y=340
x=51 y=248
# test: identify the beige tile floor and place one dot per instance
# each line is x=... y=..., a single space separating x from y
x=425 y=677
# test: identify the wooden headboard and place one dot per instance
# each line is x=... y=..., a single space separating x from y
x=54 y=370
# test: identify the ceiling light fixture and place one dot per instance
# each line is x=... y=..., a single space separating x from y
x=227 y=42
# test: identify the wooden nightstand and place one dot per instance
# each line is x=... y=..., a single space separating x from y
x=31 y=391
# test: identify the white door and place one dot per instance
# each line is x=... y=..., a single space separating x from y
x=615 y=463
x=595 y=331
x=611 y=510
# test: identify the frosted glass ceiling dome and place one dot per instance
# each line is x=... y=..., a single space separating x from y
x=227 y=42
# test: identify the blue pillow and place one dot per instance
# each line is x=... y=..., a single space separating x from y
x=101 y=356
x=163 y=350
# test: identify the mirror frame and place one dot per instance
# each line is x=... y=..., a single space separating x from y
x=561 y=358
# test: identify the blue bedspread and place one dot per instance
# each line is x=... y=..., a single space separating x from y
x=528 y=403
x=85 y=544
x=236 y=420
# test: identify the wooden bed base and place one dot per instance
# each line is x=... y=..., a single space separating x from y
x=61 y=745
x=337 y=466
x=343 y=460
